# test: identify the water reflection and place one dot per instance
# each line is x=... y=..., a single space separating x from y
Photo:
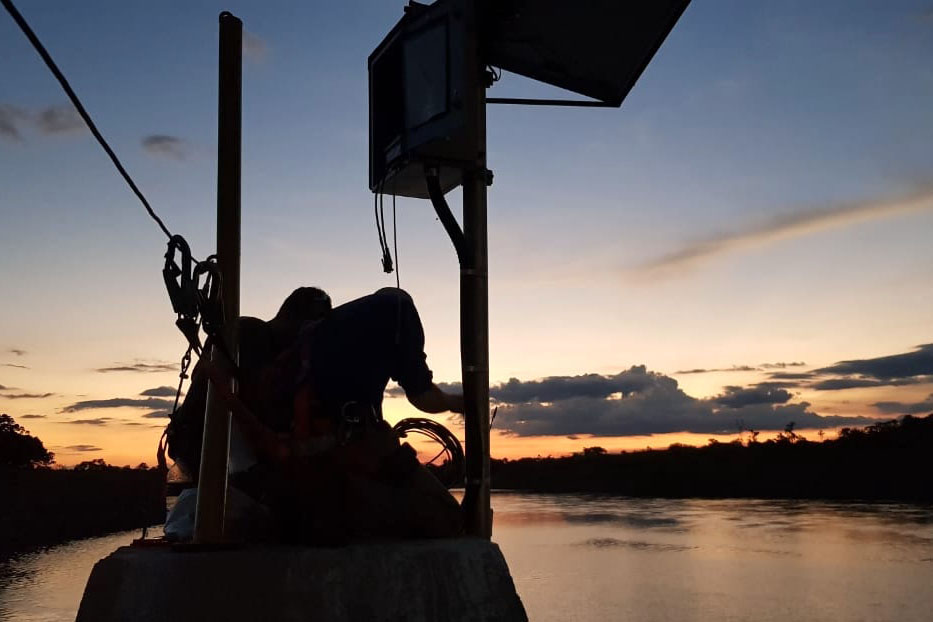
x=46 y=584
x=596 y=557
x=592 y=557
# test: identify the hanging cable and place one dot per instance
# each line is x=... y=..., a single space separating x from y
x=398 y=282
x=379 y=209
x=18 y=18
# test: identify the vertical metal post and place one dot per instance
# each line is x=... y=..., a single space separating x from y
x=212 y=482
x=474 y=308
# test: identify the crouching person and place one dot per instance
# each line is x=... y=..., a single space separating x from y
x=340 y=472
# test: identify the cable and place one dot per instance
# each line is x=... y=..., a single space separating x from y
x=398 y=283
x=18 y=18
x=452 y=472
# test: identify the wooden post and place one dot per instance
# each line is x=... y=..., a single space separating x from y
x=474 y=307
x=215 y=448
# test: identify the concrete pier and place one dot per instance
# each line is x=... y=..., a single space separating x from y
x=462 y=579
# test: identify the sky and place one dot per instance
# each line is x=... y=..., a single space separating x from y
x=743 y=244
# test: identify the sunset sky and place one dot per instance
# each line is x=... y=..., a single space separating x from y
x=746 y=242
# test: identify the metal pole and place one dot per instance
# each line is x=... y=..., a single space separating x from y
x=215 y=448
x=474 y=311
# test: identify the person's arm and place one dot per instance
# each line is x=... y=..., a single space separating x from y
x=434 y=400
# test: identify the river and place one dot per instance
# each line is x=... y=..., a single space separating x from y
x=576 y=557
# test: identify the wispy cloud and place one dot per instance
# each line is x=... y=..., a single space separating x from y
x=164 y=146
x=59 y=119
x=14 y=365
x=782 y=365
x=158 y=414
x=164 y=391
x=139 y=367
x=80 y=448
x=26 y=396
x=786 y=226
x=701 y=370
x=10 y=119
x=95 y=421
x=32 y=416
x=119 y=402
x=17 y=351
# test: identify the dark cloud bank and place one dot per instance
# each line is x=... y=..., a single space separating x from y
x=639 y=402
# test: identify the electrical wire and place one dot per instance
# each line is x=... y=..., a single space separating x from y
x=34 y=40
x=452 y=472
x=398 y=281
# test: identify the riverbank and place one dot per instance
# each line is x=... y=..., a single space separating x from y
x=891 y=461
x=46 y=506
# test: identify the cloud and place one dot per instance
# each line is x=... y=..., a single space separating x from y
x=782 y=365
x=787 y=226
x=16 y=351
x=96 y=421
x=32 y=416
x=13 y=365
x=908 y=368
x=3 y=388
x=139 y=367
x=10 y=119
x=791 y=375
x=119 y=402
x=907 y=365
x=650 y=403
x=902 y=408
x=254 y=48
x=777 y=384
x=26 y=396
x=158 y=414
x=82 y=448
x=737 y=397
x=556 y=388
x=59 y=120
x=447 y=387
x=721 y=369
x=163 y=391
x=837 y=384
x=165 y=146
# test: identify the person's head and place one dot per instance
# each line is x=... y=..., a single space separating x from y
x=305 y=304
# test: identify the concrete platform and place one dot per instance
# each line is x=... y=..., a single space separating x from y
x=462 y=579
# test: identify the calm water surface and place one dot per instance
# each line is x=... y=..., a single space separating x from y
x=608 y=558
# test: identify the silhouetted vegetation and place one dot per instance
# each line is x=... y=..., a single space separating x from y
x=43 y=505
x=890 y=460
x=18 y=448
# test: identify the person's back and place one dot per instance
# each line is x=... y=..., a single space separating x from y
x=354 y=351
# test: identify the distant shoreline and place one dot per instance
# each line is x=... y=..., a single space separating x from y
x=48 y=506
x=891 y=461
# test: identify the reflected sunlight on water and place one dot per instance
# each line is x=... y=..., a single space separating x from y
x=598 y=558
x=607 y=558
